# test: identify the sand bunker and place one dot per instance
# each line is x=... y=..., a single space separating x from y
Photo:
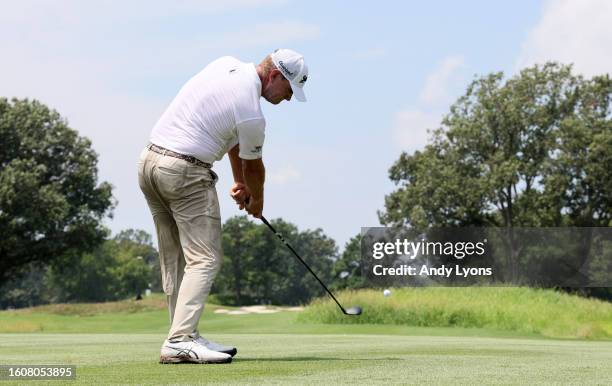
x=256 y=310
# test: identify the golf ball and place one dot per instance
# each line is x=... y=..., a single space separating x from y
x=386 y=292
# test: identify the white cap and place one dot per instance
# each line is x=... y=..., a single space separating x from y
x=292 y=66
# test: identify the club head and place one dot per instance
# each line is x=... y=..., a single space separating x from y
x=356 y=310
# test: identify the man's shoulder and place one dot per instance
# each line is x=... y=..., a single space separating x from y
x=238 y=81
x=229 y=69
x=247 y=87
x=229 y=60
x=227 y=63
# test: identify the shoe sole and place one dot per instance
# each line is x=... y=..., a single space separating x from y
x=186 y=359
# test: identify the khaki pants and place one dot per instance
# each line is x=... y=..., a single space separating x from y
x=185 y=208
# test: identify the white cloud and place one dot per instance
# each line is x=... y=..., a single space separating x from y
x=411 y=125
x=435 y=92
x=284 y=175
x=572 y=31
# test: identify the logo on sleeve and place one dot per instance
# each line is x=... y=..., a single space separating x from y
x=257 y=149
x=304 y=79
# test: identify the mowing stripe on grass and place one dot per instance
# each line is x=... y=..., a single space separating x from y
x=278 y=358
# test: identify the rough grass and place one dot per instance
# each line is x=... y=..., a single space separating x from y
x=156 y=322
x=149 y=315
x=523 y=310
x=150 y=303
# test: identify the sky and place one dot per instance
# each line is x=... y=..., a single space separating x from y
x=380 y=75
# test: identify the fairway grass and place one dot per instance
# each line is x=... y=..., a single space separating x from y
x=156 y=322
x=324 y=359
x=119 y=343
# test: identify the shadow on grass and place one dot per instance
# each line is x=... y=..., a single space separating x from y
x=312 y=359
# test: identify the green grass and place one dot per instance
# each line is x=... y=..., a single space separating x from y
x=118 y=343
x=147 y=315
x=324 y=359
x=34 y=320
x=522 y=310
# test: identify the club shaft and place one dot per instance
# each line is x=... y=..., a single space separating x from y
x=280 y=237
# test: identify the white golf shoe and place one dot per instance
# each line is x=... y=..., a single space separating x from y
x=191 y=351
x=230 y=350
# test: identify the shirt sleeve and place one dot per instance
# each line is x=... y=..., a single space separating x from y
x=251 y=135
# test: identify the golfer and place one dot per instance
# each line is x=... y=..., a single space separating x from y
x=216 y=112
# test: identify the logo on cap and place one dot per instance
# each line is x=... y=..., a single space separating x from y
x=304 y=79
x=280 y=63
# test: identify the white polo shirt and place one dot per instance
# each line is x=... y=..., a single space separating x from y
x=215 y=110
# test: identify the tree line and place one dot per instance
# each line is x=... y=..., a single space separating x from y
x=256 y=269
x=531 y=150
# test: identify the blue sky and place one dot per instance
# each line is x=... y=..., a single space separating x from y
x=381 y=74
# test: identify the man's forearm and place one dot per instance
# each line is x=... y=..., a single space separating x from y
x=236 y=164
x=254 y=177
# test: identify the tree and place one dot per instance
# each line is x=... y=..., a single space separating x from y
x=346 y=272
x=134 y=243
x=119 y=268
x=319 y=251
x=27 y=290
x=83 y=277
x=578 y=174
x=257 y=268
x=533 y=150
x=50 y=200
x=232 y=281
x=486 y=165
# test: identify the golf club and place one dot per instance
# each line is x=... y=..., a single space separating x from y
x=355 y=310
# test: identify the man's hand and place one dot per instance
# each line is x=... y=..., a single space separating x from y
x=254 y=207
x=240 y=193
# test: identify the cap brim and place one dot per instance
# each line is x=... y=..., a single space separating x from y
x=298 y=92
